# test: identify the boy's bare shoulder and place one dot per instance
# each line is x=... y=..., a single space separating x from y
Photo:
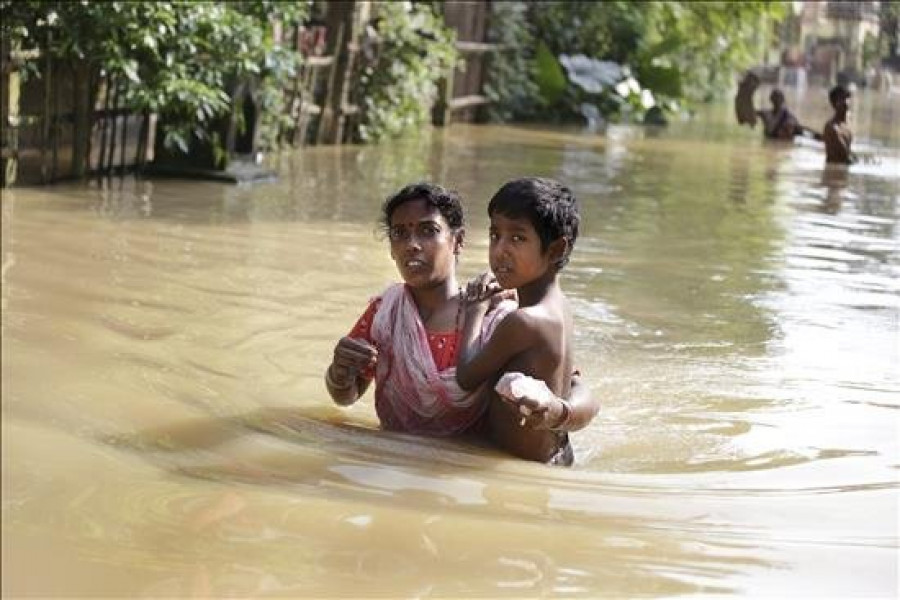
x=538 y=317
x=518 y=318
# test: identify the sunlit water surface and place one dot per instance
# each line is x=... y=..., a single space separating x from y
x=166 y=432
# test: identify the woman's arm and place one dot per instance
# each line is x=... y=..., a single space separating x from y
x=343 y=378
x=544 y=410
x=583 y=407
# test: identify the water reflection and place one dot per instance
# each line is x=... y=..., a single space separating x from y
x=835 y=179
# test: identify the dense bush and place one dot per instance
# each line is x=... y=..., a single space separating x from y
x=411 y=50
x=669 y=53
x=509 y=79
x=181 y=59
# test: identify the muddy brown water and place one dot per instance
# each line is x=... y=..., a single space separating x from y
x=166 y=432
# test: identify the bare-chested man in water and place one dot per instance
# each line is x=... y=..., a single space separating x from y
x=836 y=134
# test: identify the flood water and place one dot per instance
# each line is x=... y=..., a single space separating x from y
x=166 y=431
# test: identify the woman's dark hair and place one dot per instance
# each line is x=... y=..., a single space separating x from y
x=549 y=206
x=446 y=201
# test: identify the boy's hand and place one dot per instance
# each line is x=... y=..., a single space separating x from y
x=502 y=295
x=481 y=289
x=536 y=403
x=352 y=356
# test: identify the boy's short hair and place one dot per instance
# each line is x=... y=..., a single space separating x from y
x=838 y=92
x=550 y=206
x=446 y=201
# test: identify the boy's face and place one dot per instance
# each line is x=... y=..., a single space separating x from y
x=423 y=244
x=842 y=103
x=515 y=252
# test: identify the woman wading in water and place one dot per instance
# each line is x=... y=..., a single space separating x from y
x=408 y=338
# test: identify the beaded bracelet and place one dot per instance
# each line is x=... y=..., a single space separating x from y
x=566 y=414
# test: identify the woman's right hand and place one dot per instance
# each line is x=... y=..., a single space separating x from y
x=351 y=357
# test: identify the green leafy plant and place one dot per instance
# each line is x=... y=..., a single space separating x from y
x=181 y=60
x=412 y=50
x=510 y=82
x=677 y=52
x=549 y=76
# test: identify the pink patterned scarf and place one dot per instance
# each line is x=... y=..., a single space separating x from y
x=410 y=393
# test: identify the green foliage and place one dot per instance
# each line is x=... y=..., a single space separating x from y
x=605 y=30
x=706 y=42
x=870 y=50
x=665 y=81
x=678 y=51
x=889 y=31
x=549 y=76
x=509 y=81
x=413 y=50
x=181 y=59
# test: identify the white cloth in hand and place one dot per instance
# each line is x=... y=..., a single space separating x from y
x=515 y=386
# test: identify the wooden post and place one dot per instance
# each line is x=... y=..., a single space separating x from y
x=104 y=127
x=442 y=107
x=46 y=122
x=54 y=171
x=140 y=153
x=125 y=116
x=339 y=20
x=114 y=126
x=93 y=79
x=81 y=117
x=461 y=93
x=12 y=91
x=327 y=103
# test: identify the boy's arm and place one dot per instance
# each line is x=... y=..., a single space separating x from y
x=475 y=366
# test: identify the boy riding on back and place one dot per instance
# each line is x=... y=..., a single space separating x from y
x=534 y=224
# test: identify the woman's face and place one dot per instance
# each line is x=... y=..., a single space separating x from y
x=423 y=245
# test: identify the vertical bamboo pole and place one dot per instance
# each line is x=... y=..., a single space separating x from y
x=325 y=115
x=295 y=97
x=54 y=172
x=340 y=19
x=441 y=113
x=124 y=132
x=113 y=127
x=140 y=153
x=12 y=123
x=45 y=122
x=104 y=127
x=80 y=86
x=91 y=108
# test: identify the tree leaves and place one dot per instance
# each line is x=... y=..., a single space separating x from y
x=549 y=75
x=180 y=58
